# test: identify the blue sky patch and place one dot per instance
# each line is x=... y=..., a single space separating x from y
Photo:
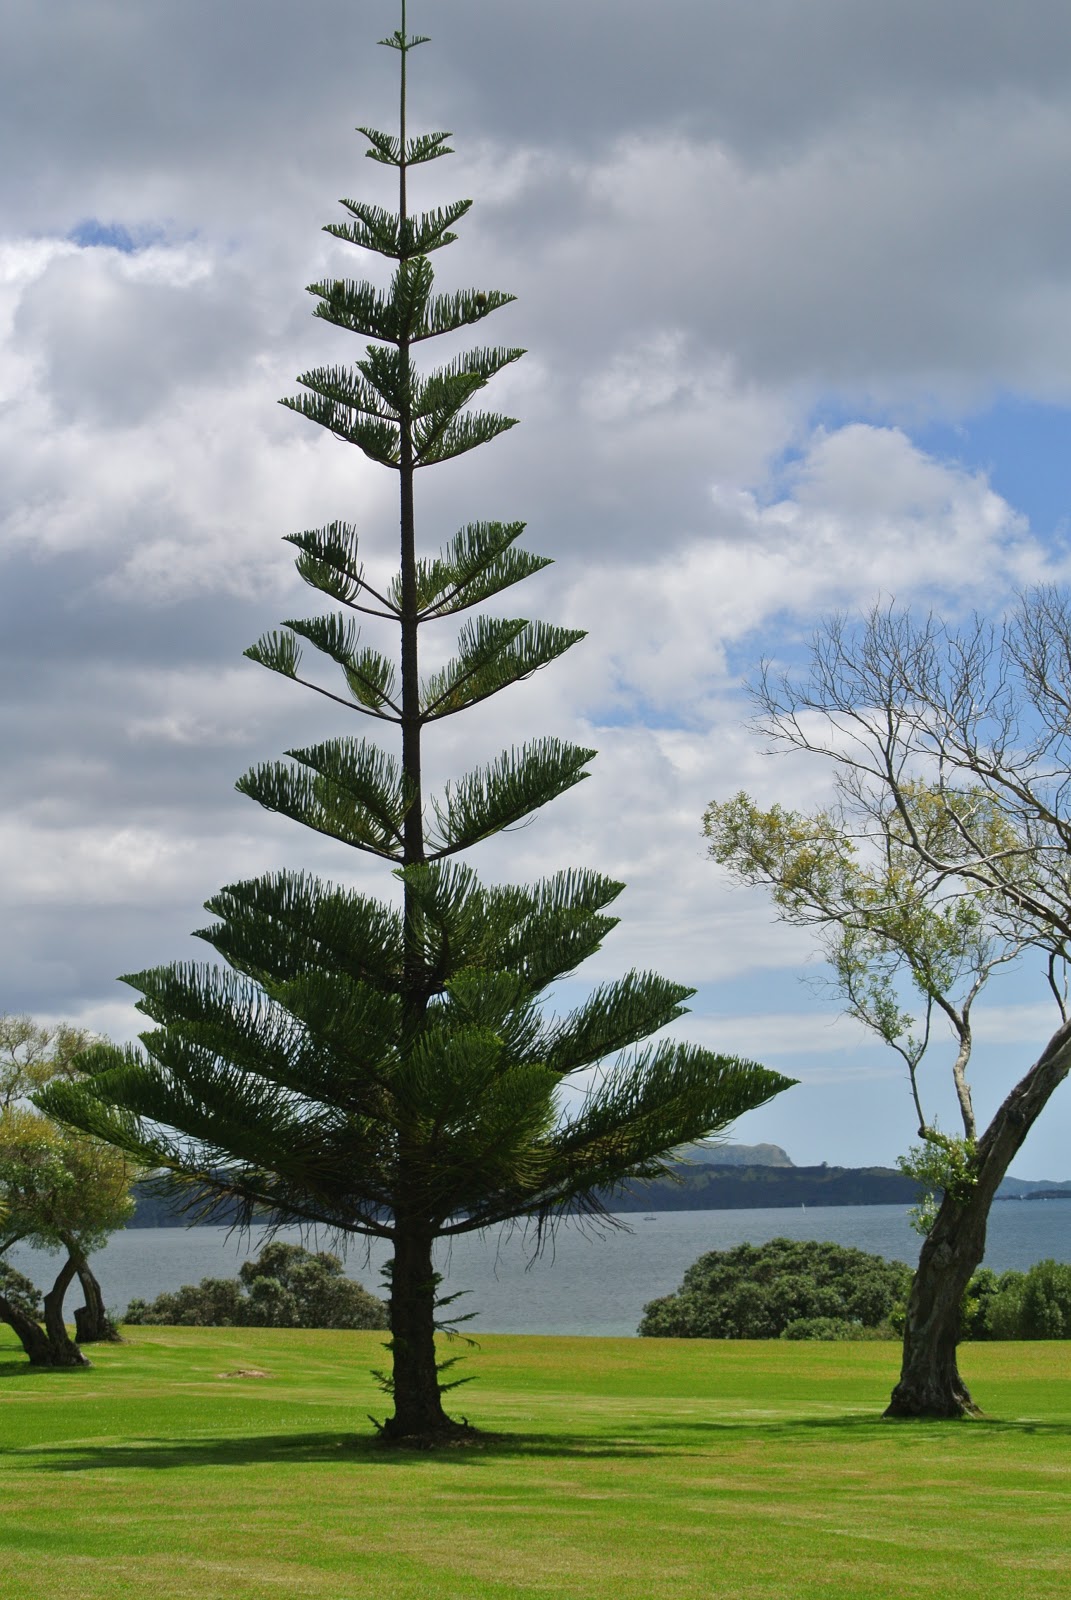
x=1024 y=447
x=111 y=235
x=639 y=713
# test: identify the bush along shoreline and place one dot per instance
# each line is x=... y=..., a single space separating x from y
x=803 y=1289
x=785 y=1289
x=286 y=1286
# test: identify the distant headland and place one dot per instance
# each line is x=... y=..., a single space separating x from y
x=718 y=1177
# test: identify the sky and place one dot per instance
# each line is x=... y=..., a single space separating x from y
x=795 y=287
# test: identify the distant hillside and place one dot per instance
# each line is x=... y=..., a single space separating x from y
x=735 y=1155
x=721 y=1188
x=715 y=1183
x=1033 y=1189
x=155 y=1210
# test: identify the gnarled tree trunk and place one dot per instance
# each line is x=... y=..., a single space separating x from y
x=930 y=1384
x=52 y=1345
x=92 y=1322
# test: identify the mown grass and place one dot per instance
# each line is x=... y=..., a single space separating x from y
x=630 y=1470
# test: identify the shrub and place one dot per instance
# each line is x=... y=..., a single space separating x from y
x=825 y=1328
x=978 y=1302
x=1003 y=1312
x=1046 y=1302
x=758 y=1291
x=212 y=1303
x=1025 y=1305
x=1019 y=1305
x=24 y=1295
x=285 y=1287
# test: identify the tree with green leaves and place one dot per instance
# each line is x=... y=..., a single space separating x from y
x=60 y=1191
x=895 y=938
x=385 y=1068
x=1024 y=1305
x=941 y=859
x=286 y=1286
x=786 y=1288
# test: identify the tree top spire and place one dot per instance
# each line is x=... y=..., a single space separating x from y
x=399 y=41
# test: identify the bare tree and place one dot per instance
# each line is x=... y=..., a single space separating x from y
x=944 y=855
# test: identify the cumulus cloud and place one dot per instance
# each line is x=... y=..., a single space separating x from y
x=861 y=513
x=115 y=334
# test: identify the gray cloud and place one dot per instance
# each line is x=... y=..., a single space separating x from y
x=116 y=338
x=152 y=84
x=713 y=214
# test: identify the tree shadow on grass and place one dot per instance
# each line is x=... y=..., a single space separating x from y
x=644 y=1440
x=863 y=1426
x=293 y=1448
x=23 y=1369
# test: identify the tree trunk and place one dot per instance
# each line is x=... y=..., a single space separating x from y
x=50 y=1346
x=92 y=1322
x=31 y=1335
x=418 y=1417
x=930 y=1384
x=65 y=1352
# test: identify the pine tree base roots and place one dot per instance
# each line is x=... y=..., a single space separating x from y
x=954 y=1405
x=446 y=1435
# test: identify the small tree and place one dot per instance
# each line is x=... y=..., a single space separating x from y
x=59 y=1190
x=286 y=1286
x=943 y=858
x=384 y=1068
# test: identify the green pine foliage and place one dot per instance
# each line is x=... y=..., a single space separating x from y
x=385 y=1068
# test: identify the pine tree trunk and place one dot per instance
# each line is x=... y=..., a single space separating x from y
x=930 y=1384
x=418 y=1412
x=92 y=1322
x=50 y=1346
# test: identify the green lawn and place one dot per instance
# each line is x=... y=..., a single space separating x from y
x=233 y=1465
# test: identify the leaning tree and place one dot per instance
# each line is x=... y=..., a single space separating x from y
x=943 y=856
x=64 y=1193
x=59 y=1191
x=381 y=1067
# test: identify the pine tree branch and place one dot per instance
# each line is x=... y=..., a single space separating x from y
x=393 y=153
x=494 y=797
x=492 y=654
x=322 y=805
x=478 y=562
x=386 y=234
x=328 y=562
x=328 y=694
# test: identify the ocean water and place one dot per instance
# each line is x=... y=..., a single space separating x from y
x=585 y=1281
